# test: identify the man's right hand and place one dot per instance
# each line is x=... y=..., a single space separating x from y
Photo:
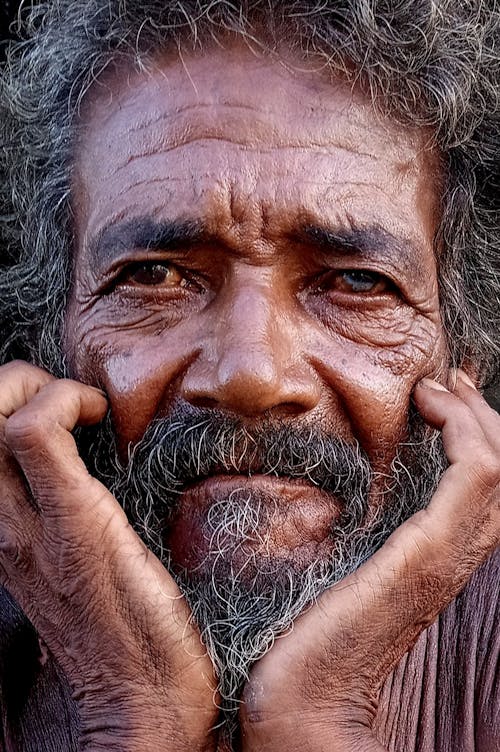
x=105 y=606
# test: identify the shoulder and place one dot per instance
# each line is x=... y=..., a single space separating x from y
x=479 y=639
x=468 y=681
x=444 y=695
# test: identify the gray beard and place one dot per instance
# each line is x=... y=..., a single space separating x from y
x=242 y=600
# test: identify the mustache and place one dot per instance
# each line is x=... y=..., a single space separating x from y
x=192 y=444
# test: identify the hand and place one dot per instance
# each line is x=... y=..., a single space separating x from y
x=318 y=688
x=105 y=606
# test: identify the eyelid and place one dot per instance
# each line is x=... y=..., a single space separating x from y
x=121 y=268
x=383 y=276
x=169 y=275
x=125 y=265
x=134 y=266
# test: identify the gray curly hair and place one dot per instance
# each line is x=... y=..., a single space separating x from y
x=433 y=63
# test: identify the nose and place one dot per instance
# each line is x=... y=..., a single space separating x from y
x=253 y=362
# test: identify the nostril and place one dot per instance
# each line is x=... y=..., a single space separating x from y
x=202 y=401
x=291 y=409
x=245 y=380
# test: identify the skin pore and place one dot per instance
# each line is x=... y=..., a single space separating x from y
x=264 y=254
x=263 y=251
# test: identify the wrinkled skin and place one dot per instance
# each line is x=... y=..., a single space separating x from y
x=274 y=195
x=262 y=322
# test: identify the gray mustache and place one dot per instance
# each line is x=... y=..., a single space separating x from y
x=192 y=444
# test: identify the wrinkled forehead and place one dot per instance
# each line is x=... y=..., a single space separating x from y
x=258 y=98
x=267 y=124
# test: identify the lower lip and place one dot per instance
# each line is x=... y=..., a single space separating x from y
x=303 y=519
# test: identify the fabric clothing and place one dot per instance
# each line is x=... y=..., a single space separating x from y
x=444 y=696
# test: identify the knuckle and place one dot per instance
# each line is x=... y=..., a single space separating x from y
x=65 y=389
x=21 y=366
x=64 y=394
x=15 y=551
x=24 y=372
x=485 y=472
x=25 y=429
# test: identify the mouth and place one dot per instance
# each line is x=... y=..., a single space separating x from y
x=293 y=519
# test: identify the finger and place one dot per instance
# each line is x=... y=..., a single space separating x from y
x=20 y=387
x=19 y=523
x=462 y=431
x=38 y=434
x=80 y=513
x=19 y=382
x=488 y=418
x=466 y=500
x=466 y=429
x=53 y=410
x=21 y=398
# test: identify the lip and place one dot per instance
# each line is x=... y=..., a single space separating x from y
x=302 y=516
x=290 y=489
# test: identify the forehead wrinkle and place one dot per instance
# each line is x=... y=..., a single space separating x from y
x=321 y=150
x=181 y=126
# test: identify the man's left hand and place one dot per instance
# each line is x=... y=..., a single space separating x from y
x=318 y=688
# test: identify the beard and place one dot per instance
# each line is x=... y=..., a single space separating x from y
x=243 y=596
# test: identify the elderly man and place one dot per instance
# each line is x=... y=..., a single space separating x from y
x=249 y=293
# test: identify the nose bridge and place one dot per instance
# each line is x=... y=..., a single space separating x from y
x=253 y=363
x=247 y=340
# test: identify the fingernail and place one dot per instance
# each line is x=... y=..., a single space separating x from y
x=101 y=391
x=431 y=384
x=465 y=379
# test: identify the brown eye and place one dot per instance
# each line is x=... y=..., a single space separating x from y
x=155 y=275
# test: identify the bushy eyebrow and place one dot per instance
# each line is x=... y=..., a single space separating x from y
x=370 y=242
x=142 y=233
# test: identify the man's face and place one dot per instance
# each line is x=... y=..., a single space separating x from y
x=254 y=241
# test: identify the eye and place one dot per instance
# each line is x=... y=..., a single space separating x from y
x=154 y=275
x=357 y=281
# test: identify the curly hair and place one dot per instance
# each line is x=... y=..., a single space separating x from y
x=432 y=63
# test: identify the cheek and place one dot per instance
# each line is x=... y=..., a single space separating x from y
x=138 y=381
x=134 y=352
x=137 y=372
x=374 y=386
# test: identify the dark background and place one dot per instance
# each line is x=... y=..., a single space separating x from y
x=8 y=10
x=493 y=397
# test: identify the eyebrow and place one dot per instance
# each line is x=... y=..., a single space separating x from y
x=142 y=233
x=371 y=242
